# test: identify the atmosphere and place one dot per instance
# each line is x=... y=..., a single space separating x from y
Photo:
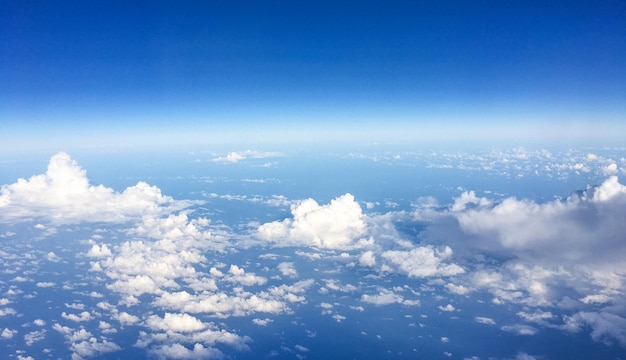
x=236 y=65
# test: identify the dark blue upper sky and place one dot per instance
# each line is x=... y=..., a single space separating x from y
x=210 y=62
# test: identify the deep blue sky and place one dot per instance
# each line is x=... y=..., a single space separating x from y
x=123 y=66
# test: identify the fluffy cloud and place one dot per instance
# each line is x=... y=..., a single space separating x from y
x=178 y=351
x=546 y=253
x=423 y=261
x=571 y=230
x=63 y=195
x=337 y=225
x=174 y=322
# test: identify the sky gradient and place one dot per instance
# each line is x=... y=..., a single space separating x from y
x=73 y=71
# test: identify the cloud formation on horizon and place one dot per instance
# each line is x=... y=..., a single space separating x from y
x=63 y=195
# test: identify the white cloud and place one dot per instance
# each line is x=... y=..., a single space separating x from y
x=93 y=347
x=34 y=336
x=574 y=230
x=519 y=329
x=99 y=251
x=484 y=320
x=337 y=225
x=178 y=351
x=45 y=284
x=63 y=195
x=448 y=307
x=83 y=316
x=423 y=261
x=261 y=322
x=287 y=269
x=174 y=322
x=8 y=333
x=384 y=297
x=126 y=319
x=237 y=156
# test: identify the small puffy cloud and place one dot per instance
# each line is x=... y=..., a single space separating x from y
x=93 y=347
x=39 y=322
x=261 y=322
x=51 y=256
x=83 y=316
x=174 y=322
x=301 y=348
x=99 y=251
x=8 y=333
x=484 y=320
x=457 y=289
x=63 y=195
x=448 y=307
x=287 y=269
x=519 y=329
x=367 y=258
x=126 y=319
x=610 y=169
x=45 y=284
x=239 y=275
x=34 y=336
x=337 y=225
x=178 y=351
x=384 y=297
x=423 y=261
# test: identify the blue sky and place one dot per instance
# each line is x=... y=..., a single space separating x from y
x=73 y=71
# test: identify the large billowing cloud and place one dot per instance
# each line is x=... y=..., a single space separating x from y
x=577 y=229
x=337 y=225
x=566 y=254
x=64 y=195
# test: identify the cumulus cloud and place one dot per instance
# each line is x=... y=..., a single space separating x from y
x=337 y=225
x=423 y=261
x=237 y=156
x=287 y=269
x=178 y=351
x=63 y=195
x=484 y=320
x=564 y=253
x=174 y=322
x=586 y=223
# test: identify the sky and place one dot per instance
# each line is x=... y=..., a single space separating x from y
x=148 y=73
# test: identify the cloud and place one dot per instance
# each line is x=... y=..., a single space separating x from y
x=237 y=156
x=178 y=351
x=337 y=225
x=174 y=322
x=8 y=333
x=287 y=269
x=606 y=327
x=519 y=329
x=83 y=316
x=63 y=195
x=448 y=307
x=423 y=261
x=572 y=229
x=564 y=253
x=34 y=336
x=484 y=320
